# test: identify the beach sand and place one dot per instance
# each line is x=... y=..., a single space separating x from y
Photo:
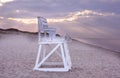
x=18 y=53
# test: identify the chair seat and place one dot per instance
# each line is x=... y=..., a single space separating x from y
x=48 y=40
x=50 y=29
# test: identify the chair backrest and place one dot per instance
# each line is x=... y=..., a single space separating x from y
x=43 y=28
x=42 y=24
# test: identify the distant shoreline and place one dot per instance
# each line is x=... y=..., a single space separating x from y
x=95 y=45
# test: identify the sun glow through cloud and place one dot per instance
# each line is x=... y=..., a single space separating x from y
x=25 y=21
x=1 y=17
x=2 y=2
x=80 y=14
x=69 y=17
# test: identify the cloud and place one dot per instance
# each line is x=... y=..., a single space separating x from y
x=6 y=23
x=2 y=2
x=70 y=17
x=102 y=5
x=84 y=18
x=80 y=14
x=25 y=21
x=89 y=24
x=55 y=8
x=5 y=1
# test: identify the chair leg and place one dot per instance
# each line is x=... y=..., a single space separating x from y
x=44 y=51
x=68 y=59
x=63 y=56
x=38 y=56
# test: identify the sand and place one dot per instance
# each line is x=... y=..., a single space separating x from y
x=18 y=53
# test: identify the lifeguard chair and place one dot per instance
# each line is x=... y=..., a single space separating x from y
x=53 y=53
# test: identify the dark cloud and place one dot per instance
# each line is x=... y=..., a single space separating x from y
x=49 y=8
x=102 y=5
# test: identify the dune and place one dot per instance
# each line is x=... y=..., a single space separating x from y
x=18 y=51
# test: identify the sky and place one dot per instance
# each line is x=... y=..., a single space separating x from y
x=78 y=18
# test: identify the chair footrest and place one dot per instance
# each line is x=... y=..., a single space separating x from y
x=52 y=69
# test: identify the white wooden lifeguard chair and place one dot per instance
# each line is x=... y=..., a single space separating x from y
x=47 y=40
